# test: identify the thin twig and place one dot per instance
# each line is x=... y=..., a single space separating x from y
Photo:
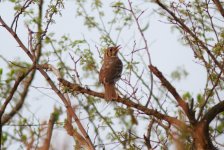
x=146 y=47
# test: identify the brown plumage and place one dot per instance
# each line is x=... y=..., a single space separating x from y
x=110 y=72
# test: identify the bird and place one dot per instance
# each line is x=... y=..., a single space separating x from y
x=110 y=72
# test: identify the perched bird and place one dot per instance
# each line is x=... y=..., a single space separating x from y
x=110 y=72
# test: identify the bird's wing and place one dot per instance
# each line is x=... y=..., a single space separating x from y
x=111 y=71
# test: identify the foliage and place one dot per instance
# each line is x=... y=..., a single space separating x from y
x=146 y=114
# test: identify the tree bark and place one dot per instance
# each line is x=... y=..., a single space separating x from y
x=201 y=137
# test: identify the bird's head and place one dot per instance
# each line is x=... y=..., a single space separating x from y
x=112 y=51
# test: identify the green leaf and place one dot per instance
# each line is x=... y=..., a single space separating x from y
x=1 y=71
x=145 y=28
x=220 y=127
x=4 y=137
x=17 y=7
x=187 y=96
x=118 y=4
x=200 y=99
x=24 y=137
x=47 y=40
x=179 y=73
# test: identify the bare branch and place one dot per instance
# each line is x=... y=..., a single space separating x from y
x=80 y=140
x=16 y=38
x=219 y=6
x=136 y=18
x=213 y=112
x=173 y=91
x=52 y=120
x=173 y=121
x=148 y=135
x=23 y=8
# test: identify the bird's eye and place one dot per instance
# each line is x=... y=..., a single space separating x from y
x=110 y=49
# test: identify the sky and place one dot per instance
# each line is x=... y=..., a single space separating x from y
x=166 y=51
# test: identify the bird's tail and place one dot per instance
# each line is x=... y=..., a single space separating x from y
x=110 y=92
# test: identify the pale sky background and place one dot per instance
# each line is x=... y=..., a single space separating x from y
x=166 y=51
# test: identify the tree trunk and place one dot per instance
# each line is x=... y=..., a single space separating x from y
x=201 y=137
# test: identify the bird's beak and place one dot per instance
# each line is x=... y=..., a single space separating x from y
x=118 y=48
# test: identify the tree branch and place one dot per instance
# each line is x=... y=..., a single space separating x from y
x=68 y=106
x=209 y=95
x=8 y=99
x=185 y=28
x=16 y=38
x=147 y=136
x=13 y=90
x=51 y=122
x=219 y=6
x=213 y=112
x=173 y=91
x=173 y=121
x=79 y=139
x=51 y=83
x=146 y=48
